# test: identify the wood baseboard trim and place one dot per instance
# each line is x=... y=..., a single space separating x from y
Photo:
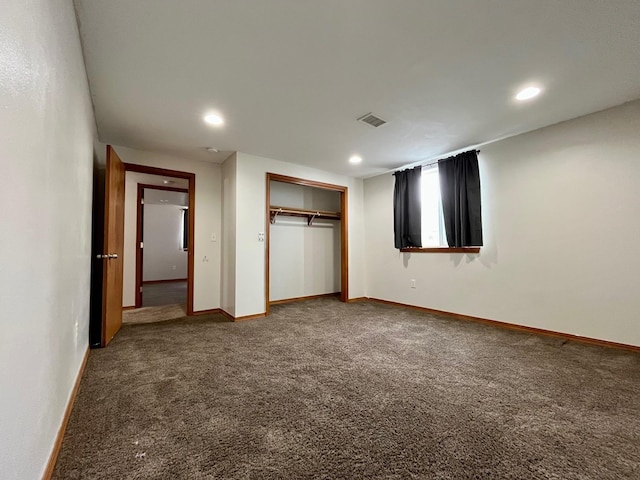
x=357 y=299
x=512 y=326
x=242 y=319
x=53 y=458
x=300 y=299
x=130 y=307
x=207 y=312
x=152 y=282
x=250 y=317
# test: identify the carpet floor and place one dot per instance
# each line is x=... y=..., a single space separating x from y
x=154 y=314
x=326 y=390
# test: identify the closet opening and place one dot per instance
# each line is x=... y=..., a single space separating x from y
x=306 y=240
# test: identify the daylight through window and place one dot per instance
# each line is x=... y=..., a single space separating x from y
x=433 y=233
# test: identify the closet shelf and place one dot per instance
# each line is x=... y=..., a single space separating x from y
x=310 y=215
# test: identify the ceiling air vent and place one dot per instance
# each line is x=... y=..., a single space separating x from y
x=372 y=120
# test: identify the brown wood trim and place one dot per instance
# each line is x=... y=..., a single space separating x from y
x=441 y=250
x=344 y=229
x=267 y=233
x=308 y=183
x=249 y=317
x=513 y=326
x=300 y=299
x=207 y=312
x=275 y=211
x=357 y=299
x=344 y=245
x=162 y=187
x=130 y=307
x=139 y=255
x=57 y=445
x=192 y=240
x=152 y=282
x=242 y=319
x=132 y=167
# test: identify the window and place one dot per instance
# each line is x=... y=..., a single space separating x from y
x=433 y=233
x=185 y=229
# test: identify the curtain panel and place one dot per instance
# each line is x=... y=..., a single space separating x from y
x=460 y=191
x=407 y=211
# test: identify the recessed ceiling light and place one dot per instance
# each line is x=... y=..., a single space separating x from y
x=528 y=93
x=212 y=150
x=213 y=119
x=355 y=159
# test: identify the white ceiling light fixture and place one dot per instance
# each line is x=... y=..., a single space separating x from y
x=214 y=119
x=528 y=93
x=212 y=150
x=355 y=159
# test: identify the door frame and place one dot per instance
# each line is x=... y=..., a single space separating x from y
x=191 y=177
x=140 y=231
x=344 y=226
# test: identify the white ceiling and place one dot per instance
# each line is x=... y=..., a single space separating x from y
x=292 y=76
x=161 y=180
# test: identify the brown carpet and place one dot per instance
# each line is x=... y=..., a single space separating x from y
x=326 y=390
x=154 y=314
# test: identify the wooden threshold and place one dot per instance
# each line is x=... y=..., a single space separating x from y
x=513 y=326
x=53 y=458
x=153 y=282
x=300 y=299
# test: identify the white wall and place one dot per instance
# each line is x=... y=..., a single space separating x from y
x=46 y=161
x=208 y=208
x=164 y=258
x=304 y=260
x=251 y=219
x=561 y=225
x=130 y=225
x=228 y=274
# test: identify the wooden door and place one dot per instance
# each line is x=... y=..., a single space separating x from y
x=113 y=247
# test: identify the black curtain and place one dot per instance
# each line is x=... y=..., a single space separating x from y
x=407 y=212
x=460 y=191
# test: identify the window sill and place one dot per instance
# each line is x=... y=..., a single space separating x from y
x=441 y=250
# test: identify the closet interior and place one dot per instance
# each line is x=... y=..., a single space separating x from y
x=305 y=241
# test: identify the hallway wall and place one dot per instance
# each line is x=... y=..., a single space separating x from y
x=46 y=157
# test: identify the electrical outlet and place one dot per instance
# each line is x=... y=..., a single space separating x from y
x=261 y=236
x=413 y=283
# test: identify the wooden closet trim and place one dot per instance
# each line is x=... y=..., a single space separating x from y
x=344 y=226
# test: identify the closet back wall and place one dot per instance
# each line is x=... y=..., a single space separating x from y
x=304 y=260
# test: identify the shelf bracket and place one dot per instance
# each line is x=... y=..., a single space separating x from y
x=310 y=221
x=274 y=215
